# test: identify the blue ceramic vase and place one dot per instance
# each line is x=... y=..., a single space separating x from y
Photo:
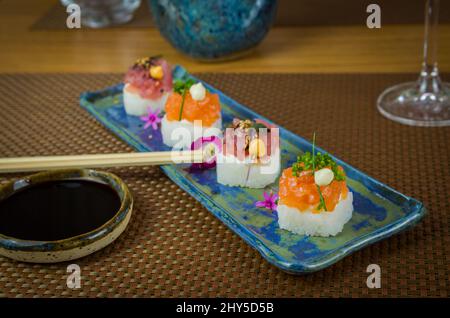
x=213 y=29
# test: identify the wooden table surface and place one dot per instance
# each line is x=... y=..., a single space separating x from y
x=315 y=49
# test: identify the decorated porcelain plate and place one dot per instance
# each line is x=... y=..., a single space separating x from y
x=379 y=211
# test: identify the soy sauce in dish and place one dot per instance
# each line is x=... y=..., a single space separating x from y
x=55 y=210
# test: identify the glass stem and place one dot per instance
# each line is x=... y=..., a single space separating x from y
x=429 y=81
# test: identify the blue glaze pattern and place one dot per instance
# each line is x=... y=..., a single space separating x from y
x=380 y=211
x=211 y=29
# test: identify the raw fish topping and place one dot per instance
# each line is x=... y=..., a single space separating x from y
x=244 y=138
x=315 y=182
x=180 y=105
x=300 y=191
x=151 y=77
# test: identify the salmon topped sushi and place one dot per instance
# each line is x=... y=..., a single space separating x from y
x=313 y=197
x=250 y=155
x=148 y=84
x=192 y=112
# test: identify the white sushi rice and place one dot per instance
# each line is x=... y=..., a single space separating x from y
x=136 y=105
x=325 y=223
x=234 y=172
x=181 y=134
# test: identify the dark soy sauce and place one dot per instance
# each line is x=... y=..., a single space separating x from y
x=56 y=210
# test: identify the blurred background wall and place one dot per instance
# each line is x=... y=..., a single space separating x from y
x=347 y=12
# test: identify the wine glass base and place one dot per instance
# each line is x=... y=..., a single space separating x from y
x=406 y=104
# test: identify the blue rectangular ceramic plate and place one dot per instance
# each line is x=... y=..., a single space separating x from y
x=379 y=211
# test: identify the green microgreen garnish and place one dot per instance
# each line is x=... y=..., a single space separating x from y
x=316 y=162
x=181 y=87
x=305 y=163
x=322 y=201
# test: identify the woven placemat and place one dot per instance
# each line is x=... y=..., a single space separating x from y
x=174 y=247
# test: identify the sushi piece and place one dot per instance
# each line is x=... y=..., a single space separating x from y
x=313 y=197
x=148 y=84
x=250 y=155
x=191 y=113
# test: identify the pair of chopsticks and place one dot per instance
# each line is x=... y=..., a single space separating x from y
x=23 y=164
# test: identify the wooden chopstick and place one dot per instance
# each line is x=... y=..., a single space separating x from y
x=23 y=164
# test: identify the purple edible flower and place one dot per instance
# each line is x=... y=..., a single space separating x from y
x=269 y=201
x=151 y=119
x=210 y=146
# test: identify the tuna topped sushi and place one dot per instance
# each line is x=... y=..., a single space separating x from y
x=250 y=155
x=313 y=197
x=191 y=113
x=148 y=83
